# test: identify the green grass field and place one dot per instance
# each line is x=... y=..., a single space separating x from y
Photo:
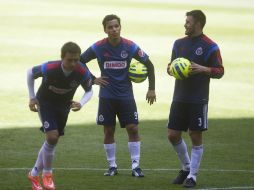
x=33 y=31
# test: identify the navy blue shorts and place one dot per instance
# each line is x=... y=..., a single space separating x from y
x=53 y=118
x=184 y=116
x=125 y=110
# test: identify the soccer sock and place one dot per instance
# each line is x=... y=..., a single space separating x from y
x=134 y=149
x=38 y=164
x=182 y=153
x=110 y=150
x=196 y=155
x=48 y=155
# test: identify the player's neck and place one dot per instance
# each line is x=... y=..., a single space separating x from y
x=114 y=41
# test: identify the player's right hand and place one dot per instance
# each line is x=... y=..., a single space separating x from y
x=34 y=105
x=101 y=81
x=168 y=69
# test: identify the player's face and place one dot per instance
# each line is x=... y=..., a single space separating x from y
x=70 y=61
x=190 y=26
x=113 y=29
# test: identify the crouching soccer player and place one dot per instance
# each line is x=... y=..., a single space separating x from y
x=53 y=101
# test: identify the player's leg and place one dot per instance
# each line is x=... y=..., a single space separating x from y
x=128 y=118
x=197 y=125
x=110 y=149
x=134 y=149
x=176 y=124
x=107 y=117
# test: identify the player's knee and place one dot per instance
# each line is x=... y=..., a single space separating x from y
x=173 y=138
x=52 y=137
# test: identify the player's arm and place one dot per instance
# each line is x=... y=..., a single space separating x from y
x=87 y=56
x=76 y=106
x=215 y=68
x=140 y=56
x=33 y=102
x=87 y=86
x=173 y=56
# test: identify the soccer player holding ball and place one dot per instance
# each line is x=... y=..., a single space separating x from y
x=189 y=107
x=53 y=101
x=116 y=98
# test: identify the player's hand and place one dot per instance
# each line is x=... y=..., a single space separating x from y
x=196 y=69
x=75 y=106
x=101 y=81
x=151 y=97
x=168 y=70
x=33 y=105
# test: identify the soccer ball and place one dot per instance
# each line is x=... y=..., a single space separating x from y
x=180 y=68
x=137 y=72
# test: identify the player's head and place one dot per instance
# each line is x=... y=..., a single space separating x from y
x=112 y=26
x=195 y=22
x=70 y=54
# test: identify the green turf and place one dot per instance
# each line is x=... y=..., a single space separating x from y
x=32 y=32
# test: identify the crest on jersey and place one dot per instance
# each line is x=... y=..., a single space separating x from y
x=46 y=124
x=124 y=54
x=199 y=51
x=101 y=118
x=73 y=84
x=141 y=53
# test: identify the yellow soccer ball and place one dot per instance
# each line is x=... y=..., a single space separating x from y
x=137 y=72
x=180 y=68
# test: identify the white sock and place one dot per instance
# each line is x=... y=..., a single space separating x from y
x=48 y=155
x=110 y=150
x=38 y=164
x=196 y=156
x=134 y=149
x=182 y=153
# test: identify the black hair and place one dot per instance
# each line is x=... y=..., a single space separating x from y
x=109 y=18
x=70 y=47
x=198 y=16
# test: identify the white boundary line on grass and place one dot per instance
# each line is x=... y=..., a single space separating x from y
x=228 y=188
x=147 y=169
x=156 y=169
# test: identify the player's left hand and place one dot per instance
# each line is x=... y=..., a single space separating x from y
x=196 y=69
x=151 y=97
x=75 y=106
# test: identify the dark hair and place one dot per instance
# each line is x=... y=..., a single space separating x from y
x=109 y=18
x=70 y=47
x=198 y=16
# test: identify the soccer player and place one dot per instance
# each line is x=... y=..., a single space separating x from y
x=114 y=55
x=53 y=101
x=190 y=100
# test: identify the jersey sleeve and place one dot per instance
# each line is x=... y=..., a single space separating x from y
x=39 y=71
x=139 y=54
x=86 y=81
x=88 y=55
x=214 y=60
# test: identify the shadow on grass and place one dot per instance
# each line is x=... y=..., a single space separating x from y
x=228 y=146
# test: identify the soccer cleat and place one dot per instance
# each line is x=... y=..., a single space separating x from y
x=35 y=181
x=48 y=181
x=111 y=171
x=137 y=172
x=181 y=177
x=189 y=183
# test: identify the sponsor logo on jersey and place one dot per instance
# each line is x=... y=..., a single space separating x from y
x=115 y=64
x=59 y=90
x=141 y=53
x=124 y=54
x=199 y=51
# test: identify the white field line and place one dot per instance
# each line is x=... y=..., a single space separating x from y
x=228 y=188
x=145 y=169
